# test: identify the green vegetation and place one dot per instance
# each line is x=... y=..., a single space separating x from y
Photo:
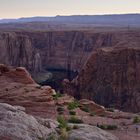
x=63 y=128
x=74 y=119
x=62 y=122
x=57 y=95
x=108 y=127
x=85 y=108
x=136 y=120
x=63 y=134
x=72 y=112
x=73 y=105
x=52 y=136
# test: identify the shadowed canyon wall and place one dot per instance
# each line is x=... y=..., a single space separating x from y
x=108 y=76
x=41 y=50
x=111 y=77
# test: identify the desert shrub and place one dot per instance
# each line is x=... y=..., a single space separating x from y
x=85 y=108
x=52 y=136
x=62 y=122
x=63 y=134
x=74 y=119
x=108 y=127
x=102 y=126
x=112 y=127
x=57 y=95
x=68 y=128
x=110 y=109
x=136 y=119
x=73 y=105
x=72 y=112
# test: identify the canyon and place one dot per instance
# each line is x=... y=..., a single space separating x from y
x=101 y=65
x=70 y=78
x=111 y=77
x=30 y=111
x=41 y=50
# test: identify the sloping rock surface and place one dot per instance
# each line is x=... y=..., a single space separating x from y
x=15 y=124
x=87 y=132
x=18 y=88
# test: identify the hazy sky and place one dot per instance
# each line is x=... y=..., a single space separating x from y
x=27 y=8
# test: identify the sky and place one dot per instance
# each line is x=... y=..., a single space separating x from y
x=29 y=8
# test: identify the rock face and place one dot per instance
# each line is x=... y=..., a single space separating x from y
x=19 y=74
x=18 y=88
x=87 y=132
x=15 y=124
x=92 y=107
x=57 y=49
x=111 y=77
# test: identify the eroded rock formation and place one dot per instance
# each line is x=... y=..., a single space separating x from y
x=87 y=132
x=41 y=50
x=15 y=124
x=111 y=77
x=18 y=88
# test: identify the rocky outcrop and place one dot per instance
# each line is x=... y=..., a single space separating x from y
x=19 y=74
x=92 y=107
x=59 y=49
x=87 y=132
x=111 y=77
x=18 y=88
x=15 y=124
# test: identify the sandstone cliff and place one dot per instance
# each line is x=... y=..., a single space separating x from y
x=18 y=88
x=111 y=77
x=40 y=50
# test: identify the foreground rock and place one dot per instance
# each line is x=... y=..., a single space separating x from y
x=18 y=88
x=87 y=132
x=111 y=77
x=15 y=124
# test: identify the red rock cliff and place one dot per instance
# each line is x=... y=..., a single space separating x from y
x=111 y=77
x=40 y=50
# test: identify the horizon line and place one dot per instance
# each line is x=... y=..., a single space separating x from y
x=70 y=15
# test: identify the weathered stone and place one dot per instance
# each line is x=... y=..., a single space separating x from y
x=111 y=77
x=87 y=132
x=92 y=107
x=17 y=125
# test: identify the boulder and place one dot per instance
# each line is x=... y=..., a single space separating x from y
x=17 y=125
x=92 y=106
